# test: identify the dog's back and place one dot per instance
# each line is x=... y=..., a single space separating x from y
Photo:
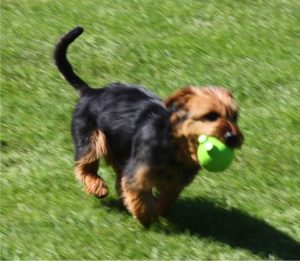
x=120 y=111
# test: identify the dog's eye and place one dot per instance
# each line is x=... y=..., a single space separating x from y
x=212 y=116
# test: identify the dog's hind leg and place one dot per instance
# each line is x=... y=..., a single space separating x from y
x=87 y=165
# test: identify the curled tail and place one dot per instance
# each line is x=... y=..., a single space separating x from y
x=62 y=63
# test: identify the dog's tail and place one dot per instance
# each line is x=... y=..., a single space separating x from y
x=62 y=63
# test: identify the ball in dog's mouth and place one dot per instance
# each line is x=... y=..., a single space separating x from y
x=214 y=155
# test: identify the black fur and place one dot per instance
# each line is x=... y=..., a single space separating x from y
x=135 y=122
x=62 y=63
x=131 y=118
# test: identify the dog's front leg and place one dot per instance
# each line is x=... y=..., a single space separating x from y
x=168 y=193
x=137 y=195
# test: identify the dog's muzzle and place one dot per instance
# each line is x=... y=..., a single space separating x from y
x=232 y=139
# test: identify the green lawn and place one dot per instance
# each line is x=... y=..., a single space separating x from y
x=251 y=211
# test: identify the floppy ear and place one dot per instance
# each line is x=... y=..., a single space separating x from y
x=179 y=98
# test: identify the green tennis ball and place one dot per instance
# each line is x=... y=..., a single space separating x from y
x=214 y=155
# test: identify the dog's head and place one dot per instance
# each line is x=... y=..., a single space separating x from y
x=211 y=111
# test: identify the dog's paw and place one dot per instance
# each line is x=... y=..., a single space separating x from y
x=100 y=191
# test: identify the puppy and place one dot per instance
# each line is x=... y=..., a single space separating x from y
x=149 y=143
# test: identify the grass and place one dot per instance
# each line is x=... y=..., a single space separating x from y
x=251 y=211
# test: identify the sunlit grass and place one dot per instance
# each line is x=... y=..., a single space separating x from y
x=250 y=211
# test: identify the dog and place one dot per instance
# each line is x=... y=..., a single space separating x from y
x=150 y=143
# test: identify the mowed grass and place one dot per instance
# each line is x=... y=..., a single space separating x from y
x=251 y=211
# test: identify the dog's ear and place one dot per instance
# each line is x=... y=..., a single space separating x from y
x=179 y=98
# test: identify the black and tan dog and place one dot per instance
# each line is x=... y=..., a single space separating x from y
x=150 y=143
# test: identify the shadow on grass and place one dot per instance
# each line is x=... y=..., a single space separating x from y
x=112 y=204
x=238 y=229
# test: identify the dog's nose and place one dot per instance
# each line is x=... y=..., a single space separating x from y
x=231 y=139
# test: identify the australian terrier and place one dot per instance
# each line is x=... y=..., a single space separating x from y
x=149 y=142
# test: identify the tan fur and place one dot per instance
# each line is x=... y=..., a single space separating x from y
x=87 y=166
x=192 y=104
x=170 y=188
x=140 y=203
x=142 y=178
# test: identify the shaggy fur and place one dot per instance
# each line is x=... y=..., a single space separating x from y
x=150 y=143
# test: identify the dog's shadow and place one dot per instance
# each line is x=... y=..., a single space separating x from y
x=205 y=219
x=233 y=227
